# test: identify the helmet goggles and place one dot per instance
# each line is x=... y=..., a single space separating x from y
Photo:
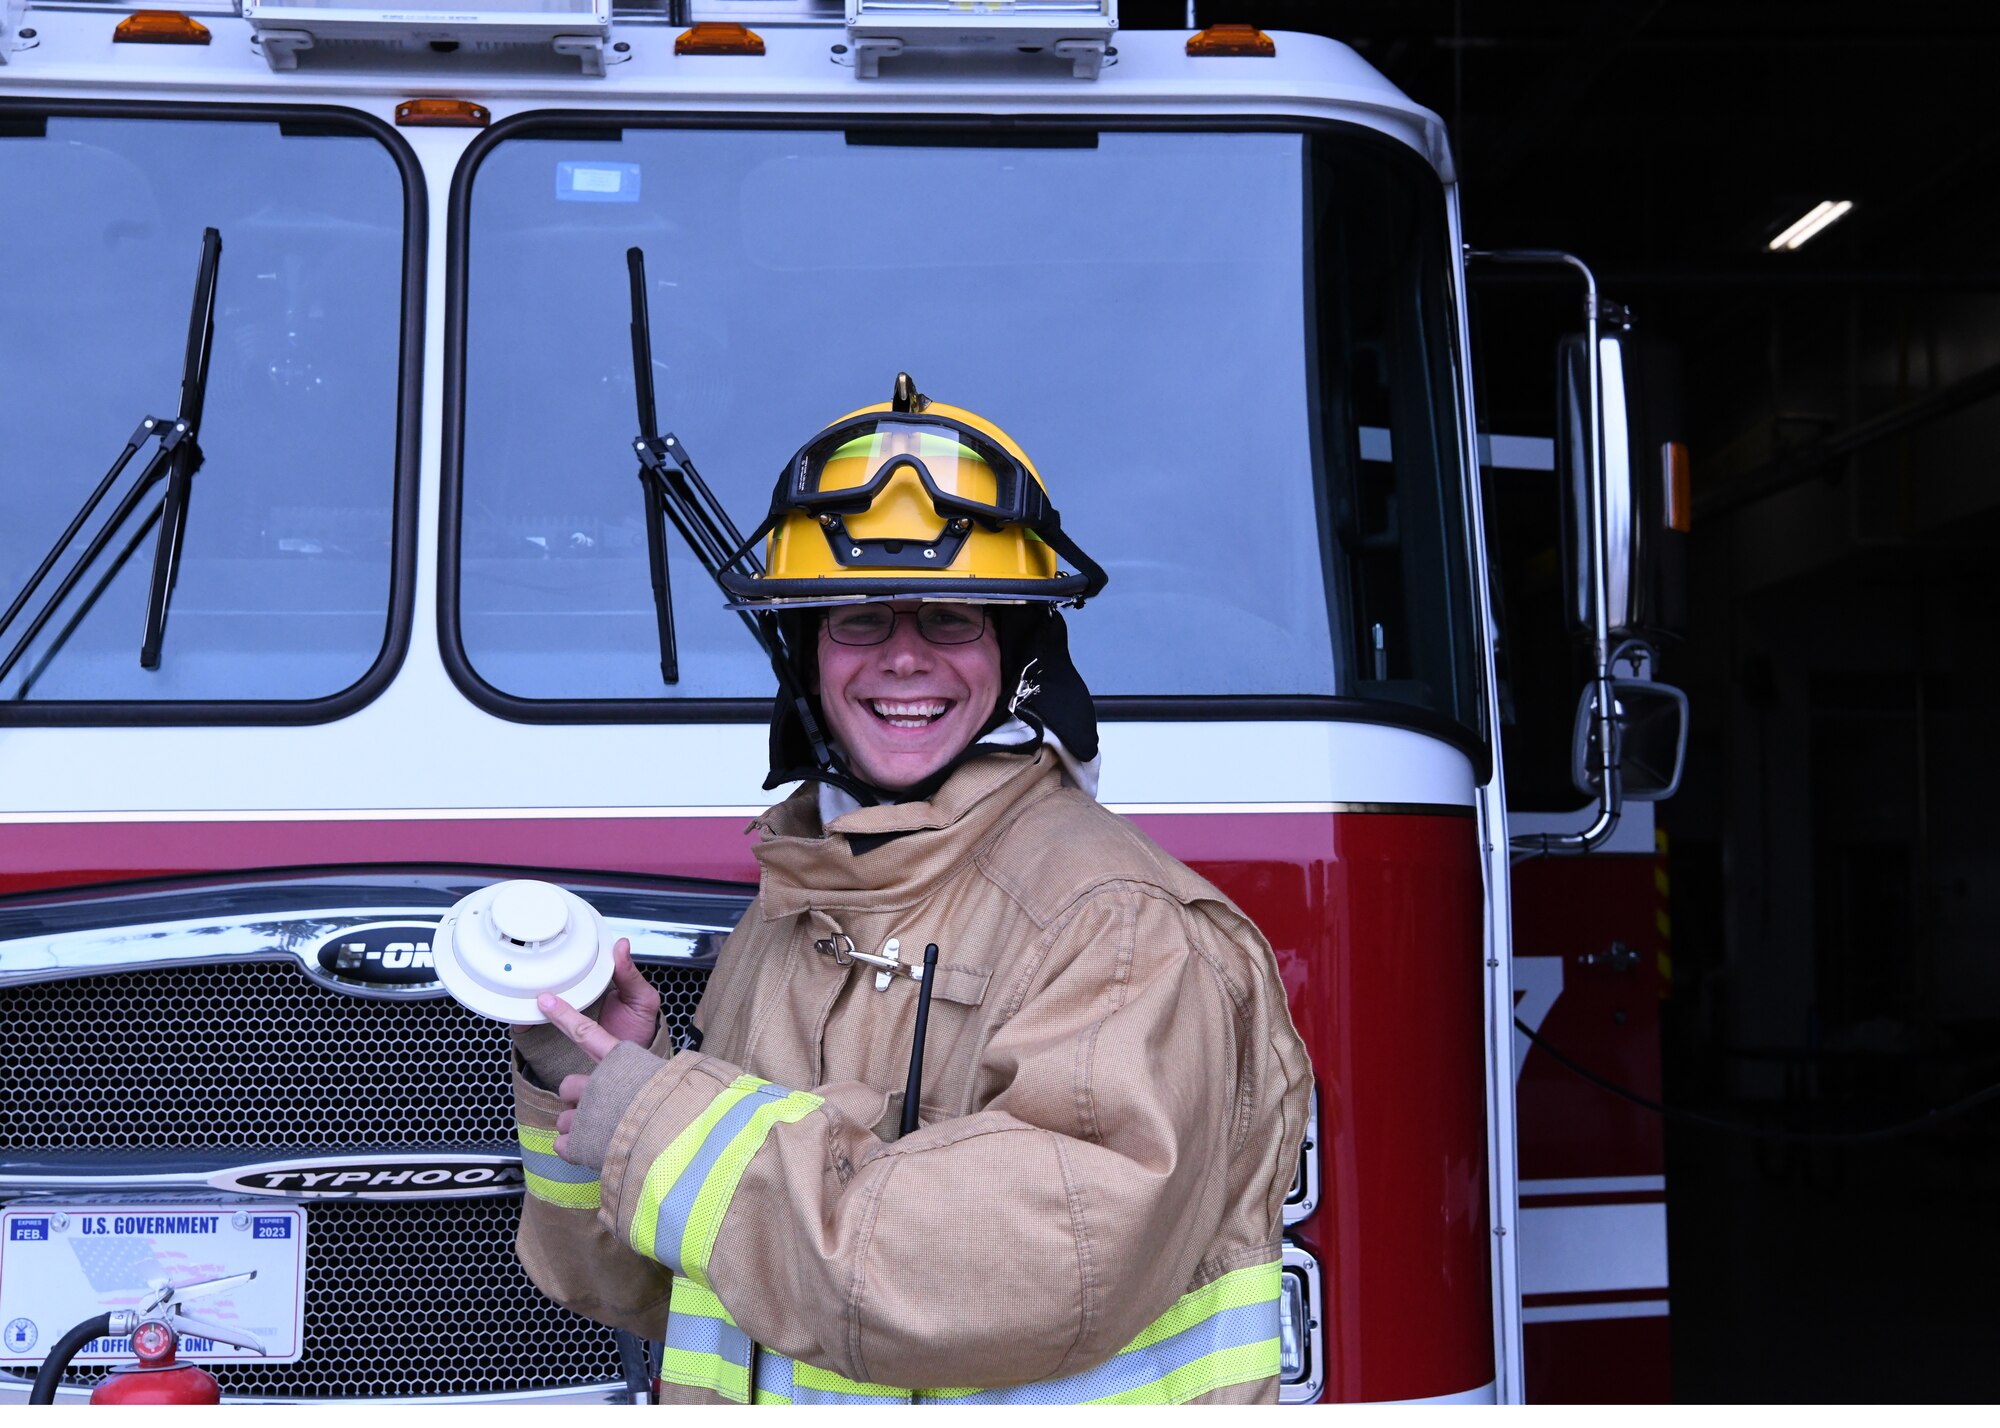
x=880 y=460
x=966 y=474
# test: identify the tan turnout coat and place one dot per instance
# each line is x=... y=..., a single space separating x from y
x=1113 y=1102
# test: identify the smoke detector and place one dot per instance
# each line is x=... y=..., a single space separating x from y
x=503 y=946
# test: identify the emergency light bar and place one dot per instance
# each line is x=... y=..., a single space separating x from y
x=284 y=28
x=1079 y=31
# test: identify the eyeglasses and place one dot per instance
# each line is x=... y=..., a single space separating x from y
x=873 y=624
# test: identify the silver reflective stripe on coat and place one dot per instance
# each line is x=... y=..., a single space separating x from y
x=1224 y=1333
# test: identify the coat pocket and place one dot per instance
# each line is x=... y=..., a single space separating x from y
x=965 y=986
x=891 y=1124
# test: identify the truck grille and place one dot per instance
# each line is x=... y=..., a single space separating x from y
x=404 y=1299
x=255 y=1055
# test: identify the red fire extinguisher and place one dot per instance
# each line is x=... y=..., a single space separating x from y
x=158 y=1378
x=155 y=1332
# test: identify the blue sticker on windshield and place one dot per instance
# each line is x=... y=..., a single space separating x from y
x=594 y=181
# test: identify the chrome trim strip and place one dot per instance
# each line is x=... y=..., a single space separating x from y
x=201 y=942
x=1615 y=1309
x=329 y=1177
x=77 y=934
x=52 y=1180
x=220 y=1177
x=1596 y=1185
x=1299 y=1262
x=1303 y=1198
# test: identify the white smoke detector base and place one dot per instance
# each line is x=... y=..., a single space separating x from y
x=503 y=946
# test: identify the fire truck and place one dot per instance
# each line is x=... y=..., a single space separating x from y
x=335 y=592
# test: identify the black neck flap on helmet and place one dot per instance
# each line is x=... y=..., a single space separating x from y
x=1039 y=685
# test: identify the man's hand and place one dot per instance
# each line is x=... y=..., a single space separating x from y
x=631 y=1013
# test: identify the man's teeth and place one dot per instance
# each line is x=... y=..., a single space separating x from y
x=909 y=713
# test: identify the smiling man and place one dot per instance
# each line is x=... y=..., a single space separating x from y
x=906 y=686
x=1113 y=1094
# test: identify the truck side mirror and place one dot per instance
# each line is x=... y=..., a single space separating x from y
x=1622 y=479
x=1574 y=470
x=1645 y=483
x=1649 y=723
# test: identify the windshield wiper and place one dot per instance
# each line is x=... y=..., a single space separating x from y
x=675 y=489
x=187 y=456
x=178 y=453
x=649 y=433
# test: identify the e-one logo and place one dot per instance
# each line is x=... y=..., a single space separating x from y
x=390 y=954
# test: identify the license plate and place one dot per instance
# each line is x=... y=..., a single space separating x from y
x=61 y=1265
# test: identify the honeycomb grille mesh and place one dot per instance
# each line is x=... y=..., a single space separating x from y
x=191 y=1057
x=402 y=1299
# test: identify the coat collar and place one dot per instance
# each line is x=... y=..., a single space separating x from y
x=808 y=867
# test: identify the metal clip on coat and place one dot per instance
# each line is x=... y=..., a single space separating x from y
x=888 y=962
x=888 y=965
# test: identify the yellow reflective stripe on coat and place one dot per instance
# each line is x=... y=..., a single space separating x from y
x=1222 y=1334
x=549 y=1177
x=703 y=1347
x=688 y=1187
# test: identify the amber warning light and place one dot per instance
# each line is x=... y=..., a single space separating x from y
x=159 y=27
x=716 y=37
x=1220 y=40
x=442 y=114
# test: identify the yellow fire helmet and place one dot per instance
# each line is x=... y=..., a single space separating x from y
x=911 y=498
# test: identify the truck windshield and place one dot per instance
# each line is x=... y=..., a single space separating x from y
x=1228 y=353
x=283 y=589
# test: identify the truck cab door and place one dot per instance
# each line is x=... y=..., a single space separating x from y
x=1590 y=933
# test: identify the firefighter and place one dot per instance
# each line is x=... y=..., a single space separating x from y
x=1113 y=1095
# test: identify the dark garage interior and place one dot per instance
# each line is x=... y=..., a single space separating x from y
x=1834 y=1010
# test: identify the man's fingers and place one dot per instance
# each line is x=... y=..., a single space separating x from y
x=571 y=1091
x=633 y=988
x=594 y=1039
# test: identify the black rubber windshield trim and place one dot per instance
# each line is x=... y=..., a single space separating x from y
x=669 y=710
x=409 y=393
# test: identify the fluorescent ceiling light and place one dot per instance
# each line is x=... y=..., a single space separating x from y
x=1822 y=216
